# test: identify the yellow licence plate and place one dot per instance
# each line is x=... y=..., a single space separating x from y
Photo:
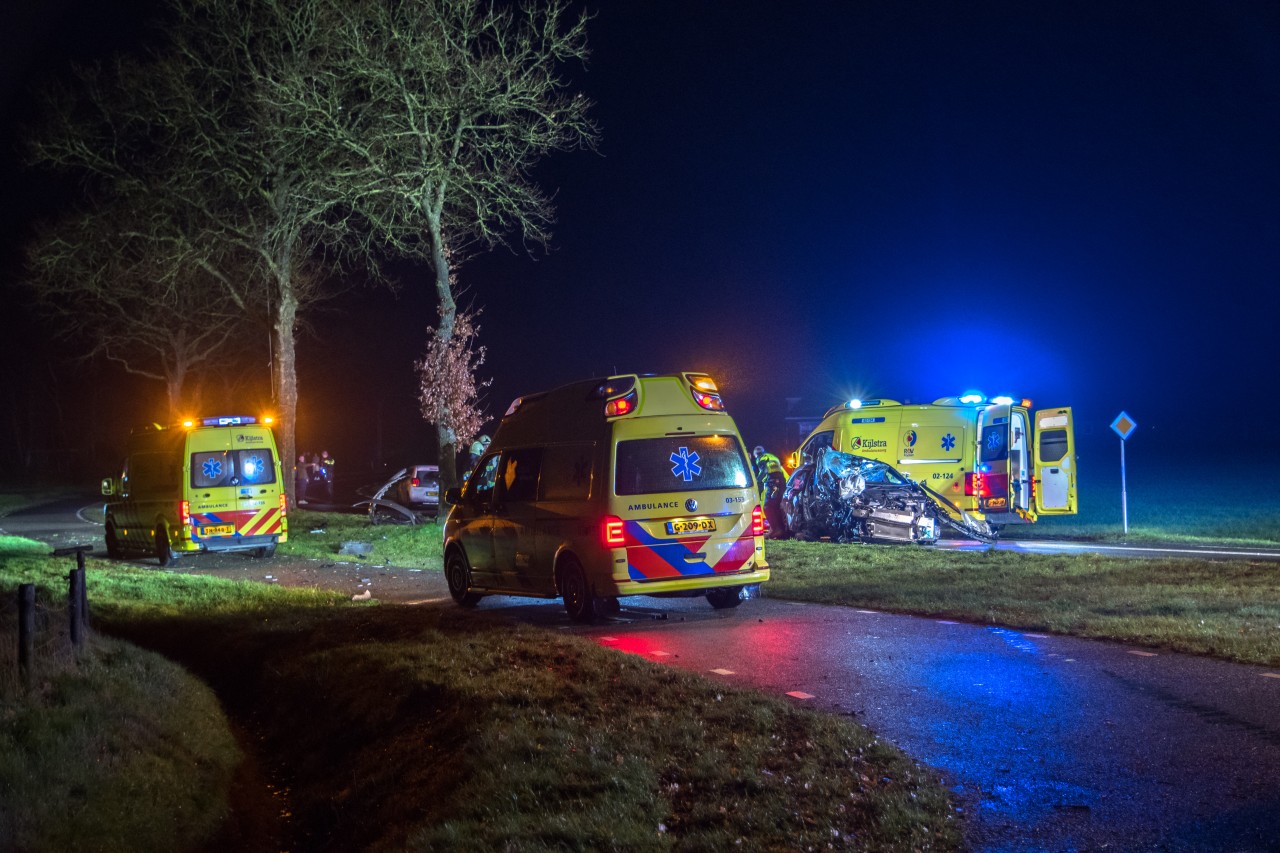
x=218 y=530
x=691 y=525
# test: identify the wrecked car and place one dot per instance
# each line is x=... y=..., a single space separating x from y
x=848 y=498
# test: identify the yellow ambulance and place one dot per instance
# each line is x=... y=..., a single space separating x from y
x=213 y=484
x=986 y=462
x=624 y=485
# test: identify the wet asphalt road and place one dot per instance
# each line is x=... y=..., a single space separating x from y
x=1049 y=743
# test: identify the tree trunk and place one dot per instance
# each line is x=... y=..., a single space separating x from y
x=285 y=378
x=446 y=439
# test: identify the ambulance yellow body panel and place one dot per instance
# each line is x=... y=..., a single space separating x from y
x=991 y=462
x=627 y=485
x=210 y=485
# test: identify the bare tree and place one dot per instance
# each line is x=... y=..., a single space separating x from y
x=429 y=118
x=192 y=155
x=101 y=275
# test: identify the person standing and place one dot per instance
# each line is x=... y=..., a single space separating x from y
x=326 y=467
x=478 y=447
x=301 y=478
x=771 y=478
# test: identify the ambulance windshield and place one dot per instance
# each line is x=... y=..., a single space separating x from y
x=680 y=464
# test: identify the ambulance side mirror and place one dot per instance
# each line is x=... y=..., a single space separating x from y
x=108 y=485
x=453 y=495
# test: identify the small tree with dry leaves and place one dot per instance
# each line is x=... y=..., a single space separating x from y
x=449 y=390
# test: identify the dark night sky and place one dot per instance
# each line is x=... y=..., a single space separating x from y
x=1076 y=202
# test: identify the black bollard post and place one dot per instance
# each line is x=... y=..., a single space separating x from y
x=84 y=590
x=26 y=629
x=75 y=595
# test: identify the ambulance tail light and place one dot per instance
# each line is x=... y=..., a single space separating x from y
x=284 y=501
x=705 y=391
x=611 y=531
x=757 y=521
x=619 y=406
x=184 y=512
x=973 y=484
x=710 y=402
x=976 y=485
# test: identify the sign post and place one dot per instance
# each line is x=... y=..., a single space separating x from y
x=1124 y=427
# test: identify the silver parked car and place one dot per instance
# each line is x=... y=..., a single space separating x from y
x=419 y=488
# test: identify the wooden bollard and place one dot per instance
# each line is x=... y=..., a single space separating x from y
x=26 y=629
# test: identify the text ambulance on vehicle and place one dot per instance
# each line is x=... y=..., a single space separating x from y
x=208 y=485
x=626 y=485
x=987 y=463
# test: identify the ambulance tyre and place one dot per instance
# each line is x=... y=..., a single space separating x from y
x=724 y=597
x=165 y=555
x=580 y=604
x=114 y=551
x=458 y=575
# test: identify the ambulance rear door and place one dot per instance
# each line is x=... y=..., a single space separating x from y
x=1055 y=455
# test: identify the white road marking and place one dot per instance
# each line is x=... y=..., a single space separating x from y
x=872 y=612
x=661 y=654
x=608 y=639
x=946 y=622
x=1271 y=675
x=800 y=694
x=1144 y=654
x=1037 y=636
x=723 y=671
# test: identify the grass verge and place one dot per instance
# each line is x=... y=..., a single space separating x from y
x=321 y=535
x=1223 y=609
x=114 y=749
x=433 y=728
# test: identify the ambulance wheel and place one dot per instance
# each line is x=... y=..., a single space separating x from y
x=724 y=597
x=165 y=554
x=114 y=551
x=458 y=574
x=581 y=605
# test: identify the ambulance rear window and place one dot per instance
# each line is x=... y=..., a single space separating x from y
x=1053 y=444
x=680 y=464
x=215 y=468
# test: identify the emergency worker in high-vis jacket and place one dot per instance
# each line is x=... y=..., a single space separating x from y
x=771 y=478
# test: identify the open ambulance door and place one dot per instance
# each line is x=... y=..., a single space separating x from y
x=1055 y=455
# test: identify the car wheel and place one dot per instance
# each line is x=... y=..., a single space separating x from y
x=458 y=575
x=581 y=605
x=114 y=550
x=165 y=554
x=724 y=597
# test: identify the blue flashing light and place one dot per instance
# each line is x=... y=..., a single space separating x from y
x=228 y=420
x=971 y=399
x=1002 y=401
x=853 y=404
